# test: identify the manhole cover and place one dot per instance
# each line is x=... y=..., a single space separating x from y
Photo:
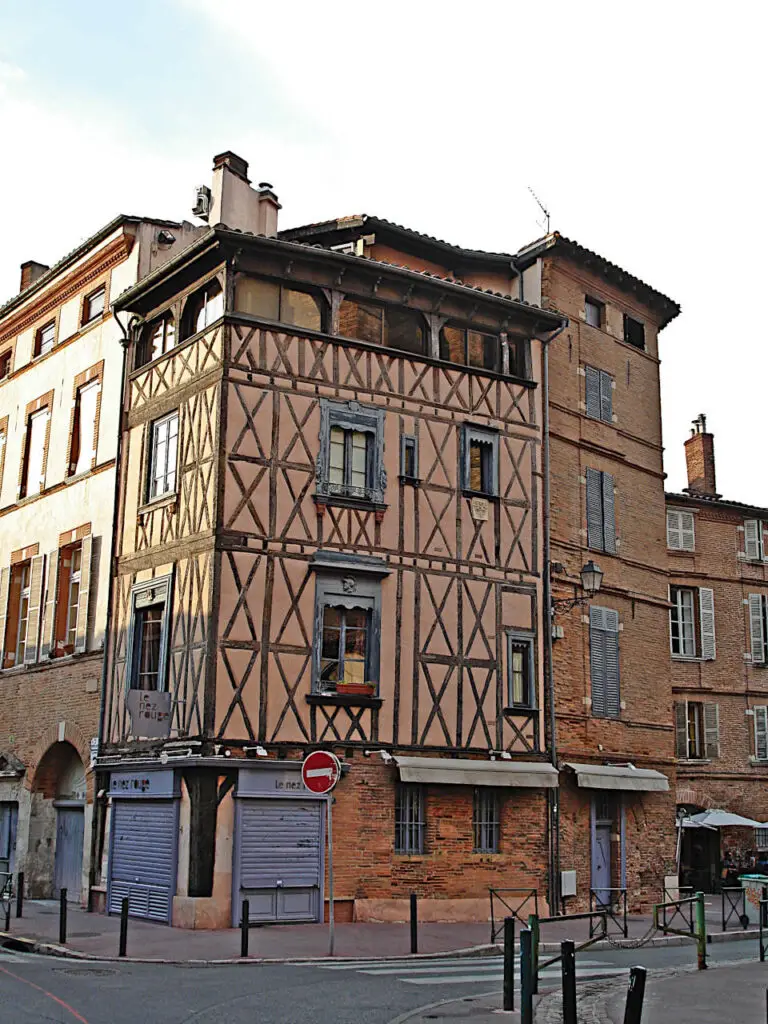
x=96 y=972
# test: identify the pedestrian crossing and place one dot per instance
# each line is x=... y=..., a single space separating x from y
x=463 y=970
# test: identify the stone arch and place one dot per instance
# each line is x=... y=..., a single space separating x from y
x=688 y=796
x=60 y=774
x=54 y=734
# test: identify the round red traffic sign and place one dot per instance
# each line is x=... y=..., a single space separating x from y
x=320 y=771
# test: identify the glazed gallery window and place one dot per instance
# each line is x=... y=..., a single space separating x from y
x=82 y=451
x=148 y=643
x=156 y=339
x=409 y=818
x=163 y=456
x=480 y=461
x=202 y=308
x=272 y=301
x=45 y=338
x=93 y=304
x=470 y=348
x=520 y=673
x=347 y=634
x=486 y=823
x=33 y=467
x=351 y=456
x=404 y=329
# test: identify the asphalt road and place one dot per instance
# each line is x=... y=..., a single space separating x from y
x=39 y=990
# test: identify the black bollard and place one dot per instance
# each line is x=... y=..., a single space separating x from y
x=244 y=915
x=19 y=893
x=568 y=965
x=8 y=911
x=633 y=1011
x=63 y=917
x=414 y=924
x=509 y=963
x=526 y=977
x=123 y=927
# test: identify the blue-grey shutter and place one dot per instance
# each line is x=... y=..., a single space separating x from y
x=592 y=391
x=681 y=729
x=761 y=733
x=143 y=860
x=707 y=622
x=594 y=510
x=711 y=730
x=609 y=514
x=757 y=638
x=606 y=397
x=612 y=684
x=687 y=531
x=597 y=659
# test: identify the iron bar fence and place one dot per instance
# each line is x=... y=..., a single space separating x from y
x=511 y=902
x=691 y=910
x=733 y=907
x=675 y=913
x=535 y=924
x=614 y=903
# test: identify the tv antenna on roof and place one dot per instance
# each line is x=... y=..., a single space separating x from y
x=541 y=206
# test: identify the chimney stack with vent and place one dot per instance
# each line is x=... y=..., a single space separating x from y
x=234 y=203
x=30 y=272
x=700 y=459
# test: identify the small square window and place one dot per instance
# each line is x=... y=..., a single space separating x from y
x=409 y=458
x=486 y=824
x=93 y=305
x=409 y=818
x=634 y=332
x=480 y=468
x=593 y=312
x=163 y=456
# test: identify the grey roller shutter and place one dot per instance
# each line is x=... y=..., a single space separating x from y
x=592 y=391
x=707 y=623
x=681 y=729
x=711 y=730
x=594 y=510
x=761 y=733
x=609 y=515
x=752 y=538
x=606 y=397
x=143 y=857
x=756 y=632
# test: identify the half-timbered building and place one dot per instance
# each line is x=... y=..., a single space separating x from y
x=328 y=536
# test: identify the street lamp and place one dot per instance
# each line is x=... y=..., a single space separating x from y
x=589 y=581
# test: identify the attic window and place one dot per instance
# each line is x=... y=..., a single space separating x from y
x=593 y=311
x=259 y=297
x=634 y=332
x=5 y=364
x=93 y=305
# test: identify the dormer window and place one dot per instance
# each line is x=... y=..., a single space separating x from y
x=202 y=309
x=272 y=301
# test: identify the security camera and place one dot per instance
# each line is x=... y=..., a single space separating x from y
x=386 y=756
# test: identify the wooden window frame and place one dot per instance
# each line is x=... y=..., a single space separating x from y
x=86 y=316
x=353 y=417
x=466 y=331
x=37 y=349
x=348 y=590
x=45 y=402
x=488 y=440
x=201 y=294
x=516 y=640
x=703 y=717
x=282 y=287
x=150 y=594
x=94 y=374
x=151 y=462
x=409 y=443
x=597 y=305
x=6 y=356
x=3 y=449
x=143 y=347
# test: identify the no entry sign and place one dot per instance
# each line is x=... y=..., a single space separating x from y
x=320 y=771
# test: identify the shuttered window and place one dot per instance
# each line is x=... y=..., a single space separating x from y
x=757 y=628
x=761 y=733
x=604 y=662
x=601 y=514
x=697 y=730
x=680 y=530
x=599 y=394
x=753 y=539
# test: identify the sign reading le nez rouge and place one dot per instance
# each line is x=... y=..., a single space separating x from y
x=320 y=771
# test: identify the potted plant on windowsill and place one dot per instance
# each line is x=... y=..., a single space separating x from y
x=356 y=689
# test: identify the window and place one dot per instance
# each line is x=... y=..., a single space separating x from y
x=73 y=597
x=680 y=530
x=22 y=618
x=520 y=673
x=202 y=309
x=480 y=462
x=485 y=820
x=35 y=445
x=82 y=450
x=409 y=458
x=758 y=628
x=156 y=339
x=347 y=631
x=5 y=363
x=149 y=635
x=634 y=332
x=21 y=591
x=164 y=450
x=351 y=456
x=395 y=327
x=692 y=635
x=409 y=818
x=3 y=445
x=754 y=544
x=470 y=348
x=593 y=311
x=65 y=625
x=604 y=662
x=761 y=838
x=598 y=390
x=259 y=297
x=93 y=304
x=761 y=733
x=601 y=515
x=697 y=730
x=44 y=338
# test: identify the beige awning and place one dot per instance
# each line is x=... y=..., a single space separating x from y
x=445 y=771
x=625 y=777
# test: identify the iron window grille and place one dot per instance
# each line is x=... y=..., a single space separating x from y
x=486 y=821
x=409 y=818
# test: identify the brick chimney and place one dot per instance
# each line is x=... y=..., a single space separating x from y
x=700 y=459
x=30 y=272
x=237 y=205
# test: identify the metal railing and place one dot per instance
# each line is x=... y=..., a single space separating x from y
x=691 y=911
x=762 y=914
x=535 y=923
x=679 y=916
x=614 y=903
x=511 y=903
x=733 y=907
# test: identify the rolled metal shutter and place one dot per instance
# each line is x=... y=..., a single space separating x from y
x=280 y=859
x=142 y=863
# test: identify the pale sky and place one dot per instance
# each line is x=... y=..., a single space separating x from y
x=642 y=127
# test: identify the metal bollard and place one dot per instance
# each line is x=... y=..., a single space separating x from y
x=63 y=917
x=568 y=966
x=19 y=893
x=701 y=932
x=533 y=924
x=526 y=977
x=123 y=927
x=414 y=924
x=8 y=912
x=633 y=1011
x=509 y=963
x=244 y=916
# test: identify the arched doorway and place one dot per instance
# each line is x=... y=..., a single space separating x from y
x=59 y=805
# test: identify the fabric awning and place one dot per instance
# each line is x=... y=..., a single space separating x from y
x=624 y=777
x=445 y=771
x=724 y=819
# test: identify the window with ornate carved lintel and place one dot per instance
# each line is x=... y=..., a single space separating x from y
x=350 y=460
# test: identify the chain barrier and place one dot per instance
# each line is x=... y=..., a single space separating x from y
x=623 y=943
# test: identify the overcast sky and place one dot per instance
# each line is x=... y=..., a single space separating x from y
x=642 y=126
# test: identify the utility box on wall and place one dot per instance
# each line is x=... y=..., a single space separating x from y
x=567 y=883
